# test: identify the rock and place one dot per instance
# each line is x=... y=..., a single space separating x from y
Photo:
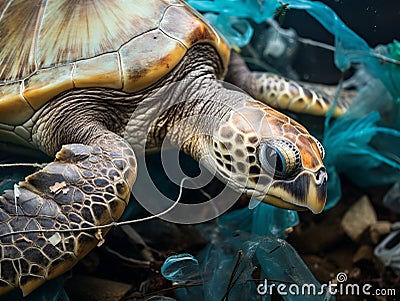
x=364 y=252
x=358 y=218
x=379 y=229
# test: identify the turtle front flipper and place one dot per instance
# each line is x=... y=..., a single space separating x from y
x=86 y=186
x=283 y=93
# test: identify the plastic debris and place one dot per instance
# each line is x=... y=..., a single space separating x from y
x=276 y=47
x=230 y=16
x=272 y=221
x=184 y=269
x=17 y=194
x=230 y=264
x=279 y=42
x=350 y=48
x=181 y=268
x=55 y=239
x=388 y=251
x=258 y=11
x=237 y=31
x=226 y=275
x=364 y=144
x=358 y=145
x=349 y=150
x=392 y=197
x=262 y=220
x=236 y=254
x=279 y=261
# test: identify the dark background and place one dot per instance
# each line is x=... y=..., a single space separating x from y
x=376 y=21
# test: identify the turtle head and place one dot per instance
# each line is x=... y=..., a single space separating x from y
x=270 y=157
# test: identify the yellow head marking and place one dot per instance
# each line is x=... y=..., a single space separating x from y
x=270 y=157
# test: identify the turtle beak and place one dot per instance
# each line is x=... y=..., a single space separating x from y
x=307 y=190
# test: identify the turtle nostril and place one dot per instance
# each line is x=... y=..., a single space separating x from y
x=321 y=176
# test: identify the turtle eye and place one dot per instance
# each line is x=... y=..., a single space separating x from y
x=274 y=160
x=279 y=157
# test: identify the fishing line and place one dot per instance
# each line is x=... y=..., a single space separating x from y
x=112 y=224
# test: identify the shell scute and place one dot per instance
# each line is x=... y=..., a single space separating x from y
x=143 y=63
x=46 y=84
x=100 y=71
x=66 y=44
x=13 y=107
x=193 y=29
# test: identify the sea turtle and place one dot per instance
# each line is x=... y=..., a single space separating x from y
x=94 y=82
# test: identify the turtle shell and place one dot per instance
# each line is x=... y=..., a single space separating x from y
x=50 y=46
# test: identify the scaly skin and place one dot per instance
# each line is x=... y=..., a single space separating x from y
x=85 y=186
x=239 y=152
x=283 y=93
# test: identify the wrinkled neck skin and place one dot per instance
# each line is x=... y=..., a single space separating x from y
x=196 y=114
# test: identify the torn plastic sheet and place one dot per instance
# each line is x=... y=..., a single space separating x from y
x=248 y=267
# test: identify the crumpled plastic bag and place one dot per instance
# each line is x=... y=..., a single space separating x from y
x=245 y=267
